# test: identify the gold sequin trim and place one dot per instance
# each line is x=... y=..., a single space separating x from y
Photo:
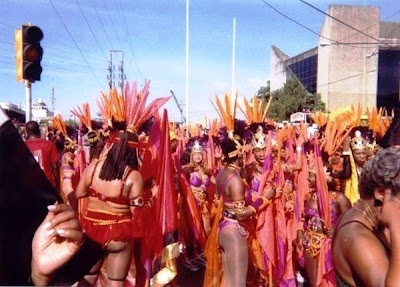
x=109 y=212
x=107 y=221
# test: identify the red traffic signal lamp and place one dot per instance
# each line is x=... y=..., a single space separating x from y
x=28 y=54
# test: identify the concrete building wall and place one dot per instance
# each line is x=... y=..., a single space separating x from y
x=347 y=73
x=278 y=69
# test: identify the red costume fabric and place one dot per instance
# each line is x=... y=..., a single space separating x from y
x=103 y=227
x=45 y=153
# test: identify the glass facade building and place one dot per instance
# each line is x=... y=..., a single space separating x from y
x=306 y=71
x=388 y=78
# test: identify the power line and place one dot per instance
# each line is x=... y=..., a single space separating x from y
x=8 y=25
x=76 y=44
x=118 y=7
x=8 y=50
x=298 y=23
x=346 y=78
x=369 y=27
x=91 y=30
x=66 y=70
x=64 y=49
x=344 y=23
x=102 y=24
x=113 y=26
x=6 y=62
x=130 y=43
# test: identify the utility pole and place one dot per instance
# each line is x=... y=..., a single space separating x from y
x=53 y=100
x=109 y=76
x=116 y=77
x=122 y=76
x=28 y=101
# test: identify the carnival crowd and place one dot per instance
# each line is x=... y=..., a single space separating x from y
x=248 y=202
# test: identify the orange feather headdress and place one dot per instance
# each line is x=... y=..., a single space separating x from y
x=340 y=124
x=255 y=112
x=83 y=115
x=59 y=123
x=86 y=120
x=379 y=121
x=129 y=108
x=227 y=111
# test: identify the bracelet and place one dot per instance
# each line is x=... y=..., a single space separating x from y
x=346 y=152
x=299 y=148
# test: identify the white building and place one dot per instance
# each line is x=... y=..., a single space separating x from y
x=40 y=112
x=13 y=111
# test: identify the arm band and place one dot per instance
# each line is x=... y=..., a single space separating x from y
x=239 y=206
x=138 y=201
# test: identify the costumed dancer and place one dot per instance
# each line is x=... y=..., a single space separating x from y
x=67 y=170
x=312 y=231
x=253 y=172
x=94 y=138
x=283 y=178
x=229 y=234
x=335 y=143
x=322 y=210
x=198 y=177
x=114 y=187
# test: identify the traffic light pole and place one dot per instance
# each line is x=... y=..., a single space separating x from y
x=28 y=98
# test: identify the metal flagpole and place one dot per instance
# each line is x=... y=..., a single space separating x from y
x=233 y=60
x=187 y=64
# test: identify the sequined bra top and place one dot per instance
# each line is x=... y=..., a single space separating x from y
x=120 y=199
x=312 y=212
x=197 y=181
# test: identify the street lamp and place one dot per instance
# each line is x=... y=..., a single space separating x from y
x=335 y=43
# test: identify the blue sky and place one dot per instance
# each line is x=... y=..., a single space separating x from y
x=152 y=35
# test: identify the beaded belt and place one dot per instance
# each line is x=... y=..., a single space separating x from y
x=229 y=214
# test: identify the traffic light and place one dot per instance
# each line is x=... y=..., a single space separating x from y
x=29 y=54
x=19 y=50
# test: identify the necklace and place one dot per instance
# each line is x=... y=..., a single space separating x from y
x=368 y=216
x=234 y=167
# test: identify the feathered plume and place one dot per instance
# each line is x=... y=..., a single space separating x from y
x=340 y=123
x=194 y=130
x=130 y=108
x=105 y=106
x=227 y=111
x=135 y=101
x=213 y=127
x=83 y=115
x=378 y=121
x=118 y=107
x=320 y=118
x=254 y=112
x=59 y=123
